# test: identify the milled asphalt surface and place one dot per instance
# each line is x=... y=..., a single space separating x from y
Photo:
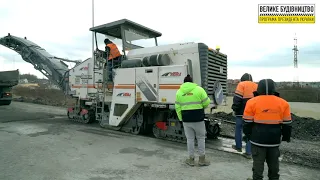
x=38 y=143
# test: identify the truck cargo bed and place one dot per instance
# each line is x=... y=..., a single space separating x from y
x=9 y=78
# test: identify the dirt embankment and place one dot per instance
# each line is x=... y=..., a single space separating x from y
x=43 y=96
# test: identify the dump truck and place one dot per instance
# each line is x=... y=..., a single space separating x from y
x=8 y=79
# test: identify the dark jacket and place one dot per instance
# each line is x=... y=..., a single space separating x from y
x=243 y=93
x=267 y=117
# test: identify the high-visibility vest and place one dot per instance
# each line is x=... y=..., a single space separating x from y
x=191 y=100
x=242 y=94
x=264 y=117
x=267 y=109
x=114 y=52
x=245 y=89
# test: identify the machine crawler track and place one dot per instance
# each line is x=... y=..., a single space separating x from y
x=156 y=133
x=172 y=129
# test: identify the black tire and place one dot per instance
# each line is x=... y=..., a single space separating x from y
x=213 y=131
x=69 y=117
x=87 y=118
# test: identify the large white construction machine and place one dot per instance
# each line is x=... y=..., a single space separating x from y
x=141 y=97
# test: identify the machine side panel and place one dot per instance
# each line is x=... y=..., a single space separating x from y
x=179 y=54
x=81 y=80
x=170 y=79
x=123 y=98
x=147 y=84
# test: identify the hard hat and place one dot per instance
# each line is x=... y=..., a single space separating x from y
x=217 y=47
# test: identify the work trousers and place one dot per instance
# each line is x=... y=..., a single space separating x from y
x=111 y=64
x=238 y=135
x=271 y=156
x=194 y=130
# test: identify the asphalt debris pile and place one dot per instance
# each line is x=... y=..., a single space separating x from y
x=224 y=116
x=303 y=128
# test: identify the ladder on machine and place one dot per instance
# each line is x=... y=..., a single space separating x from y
x=100 y=86
x=103 y=85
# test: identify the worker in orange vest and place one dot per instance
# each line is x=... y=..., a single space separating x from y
x=113 y=56
x=242 y=94
x=267 y=122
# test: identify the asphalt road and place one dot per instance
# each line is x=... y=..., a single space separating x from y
x=38 y=143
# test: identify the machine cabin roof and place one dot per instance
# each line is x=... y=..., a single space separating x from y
x=114 y=28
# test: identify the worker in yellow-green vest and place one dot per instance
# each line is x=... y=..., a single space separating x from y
x=191 y=100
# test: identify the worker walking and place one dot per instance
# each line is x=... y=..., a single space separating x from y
x=112 y=55
x=243 y=93
x=191 y=100
x=267 y=122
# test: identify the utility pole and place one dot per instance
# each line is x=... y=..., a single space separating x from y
x=295 y=61
x=92 y=26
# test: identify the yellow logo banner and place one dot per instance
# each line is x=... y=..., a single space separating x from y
x=286 y=13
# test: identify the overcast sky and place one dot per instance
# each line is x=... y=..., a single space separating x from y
x=62 y=28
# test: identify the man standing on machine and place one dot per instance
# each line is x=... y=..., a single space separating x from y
x=112 y=55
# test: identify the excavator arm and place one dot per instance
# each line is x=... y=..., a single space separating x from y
x=52 y=67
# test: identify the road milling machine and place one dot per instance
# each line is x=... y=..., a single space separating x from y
x=140 y=97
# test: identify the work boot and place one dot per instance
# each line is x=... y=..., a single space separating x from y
x=190 y=161
x=246 y=155
x=237 y=149
x=203 y=161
